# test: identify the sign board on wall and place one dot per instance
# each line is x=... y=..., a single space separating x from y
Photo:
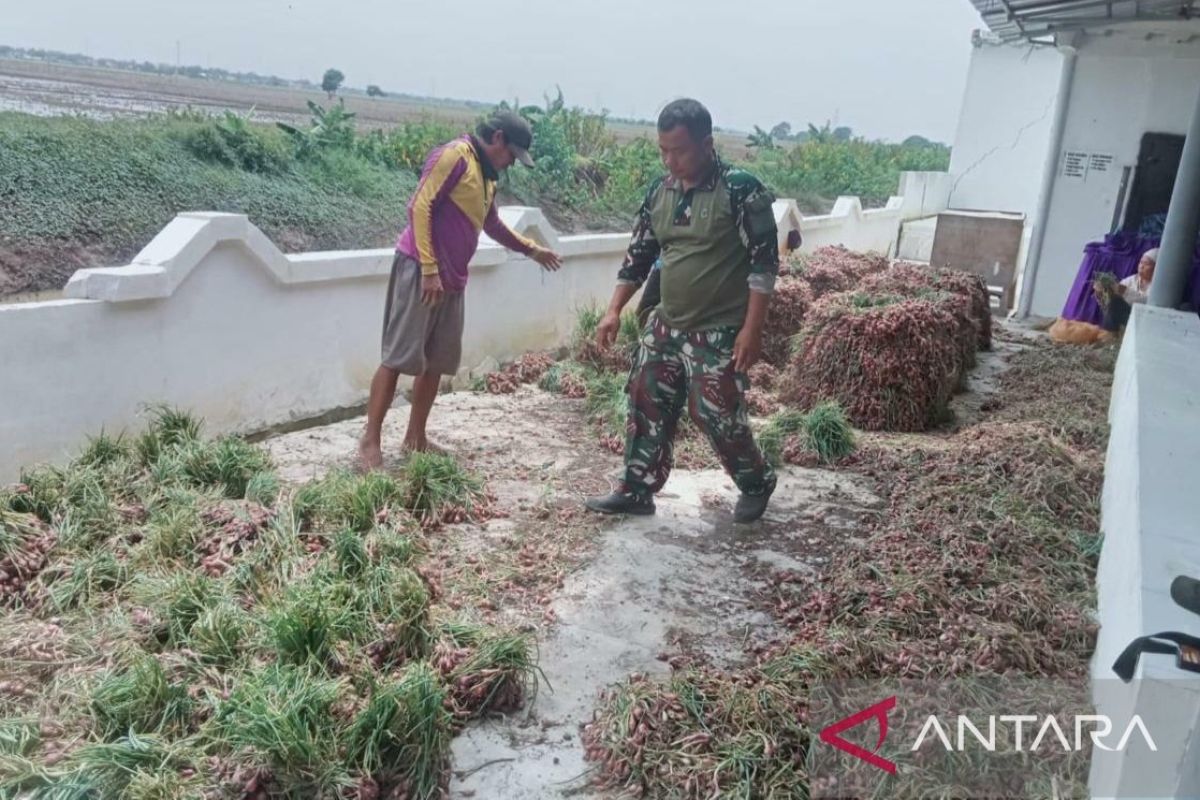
x=1100 y=162
x=1075 y=166
x=1079 y=166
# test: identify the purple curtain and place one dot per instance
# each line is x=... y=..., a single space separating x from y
x=1118 y=254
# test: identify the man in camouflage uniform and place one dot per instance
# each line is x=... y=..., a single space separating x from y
x=715 y=231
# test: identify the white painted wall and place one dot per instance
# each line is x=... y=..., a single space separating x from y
x=1004 y=128
x=1125 y=85
x=212 y=317
x=924 y=193
x=916 y=239
x=1151 y=534
x=850 y=226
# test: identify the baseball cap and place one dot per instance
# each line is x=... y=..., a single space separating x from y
x=517 y=133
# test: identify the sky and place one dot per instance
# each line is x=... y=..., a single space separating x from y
x=886 y=68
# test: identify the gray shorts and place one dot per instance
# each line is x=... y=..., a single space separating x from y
x=419 y=339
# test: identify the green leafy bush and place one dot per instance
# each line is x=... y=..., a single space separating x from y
x=235 y=142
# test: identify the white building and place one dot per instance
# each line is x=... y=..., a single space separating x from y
x=1059 y=99
x=1084 y=115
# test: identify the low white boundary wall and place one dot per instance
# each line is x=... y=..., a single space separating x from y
x=876 y=230
x=925 y=194
x=212 y=317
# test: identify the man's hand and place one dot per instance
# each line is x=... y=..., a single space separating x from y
x=549 y=259
x=747 y=349
x=431 y=290
x=606 y=331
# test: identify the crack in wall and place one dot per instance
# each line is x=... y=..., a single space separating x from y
x=1016 y=141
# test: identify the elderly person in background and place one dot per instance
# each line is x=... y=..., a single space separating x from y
x=1136 y=288
x=1118 y=303
x=1116 y=300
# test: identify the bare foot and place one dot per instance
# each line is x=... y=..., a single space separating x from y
x=423 y=446
x=370 y=456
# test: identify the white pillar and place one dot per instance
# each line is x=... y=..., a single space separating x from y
x=1183 y=225
x=1066 y=81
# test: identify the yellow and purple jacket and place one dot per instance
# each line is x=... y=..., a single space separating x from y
x=454 y=201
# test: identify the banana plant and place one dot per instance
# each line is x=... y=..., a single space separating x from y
x=331 y=128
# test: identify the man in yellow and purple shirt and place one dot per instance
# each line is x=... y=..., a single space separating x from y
x=423 y=315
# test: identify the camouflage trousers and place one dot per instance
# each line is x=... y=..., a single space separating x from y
x=674 y=368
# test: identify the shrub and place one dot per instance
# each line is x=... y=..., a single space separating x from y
x=407 y=145
x=235 y=142
x=826 y=167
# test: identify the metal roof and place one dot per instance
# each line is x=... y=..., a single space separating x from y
x=1013 y=20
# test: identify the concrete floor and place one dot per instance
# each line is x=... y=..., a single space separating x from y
x=682 y=581
x=683 y=575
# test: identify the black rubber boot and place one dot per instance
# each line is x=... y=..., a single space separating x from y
x=621 y=503
x=750 y=507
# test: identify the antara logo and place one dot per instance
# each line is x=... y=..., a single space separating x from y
x=878 y=712
x=1049 y=733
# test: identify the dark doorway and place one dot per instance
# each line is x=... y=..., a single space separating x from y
x=1158 y=163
